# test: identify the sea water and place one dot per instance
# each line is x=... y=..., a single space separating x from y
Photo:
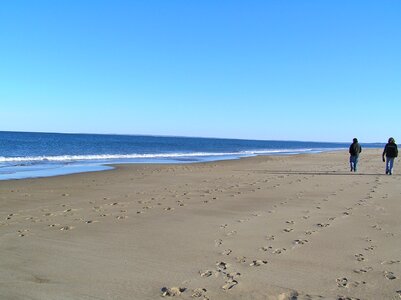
x=30 y=155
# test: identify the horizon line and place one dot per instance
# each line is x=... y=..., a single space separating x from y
x=182 y=136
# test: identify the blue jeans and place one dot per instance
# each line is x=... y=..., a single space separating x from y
x=389 y=165
x=353 y=161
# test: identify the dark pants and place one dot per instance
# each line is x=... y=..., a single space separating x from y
x=353 y=161
x=389 y=165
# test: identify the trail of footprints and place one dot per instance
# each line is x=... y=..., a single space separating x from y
x=110 y=209
x=101 y=208
x=361 y=258
x=233 y=278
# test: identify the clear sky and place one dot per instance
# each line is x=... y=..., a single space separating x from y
x=288 y=70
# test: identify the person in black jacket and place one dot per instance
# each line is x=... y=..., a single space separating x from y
x=391 y=152
x=354 y=150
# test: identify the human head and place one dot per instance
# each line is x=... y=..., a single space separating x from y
x=355 y=140
x=391 y=140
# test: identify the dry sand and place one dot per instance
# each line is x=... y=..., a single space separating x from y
x=292 y=227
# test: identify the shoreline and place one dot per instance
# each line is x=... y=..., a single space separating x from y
x=265 y=227
x=100 y=167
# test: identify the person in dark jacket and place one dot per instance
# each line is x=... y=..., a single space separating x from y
x=390 y=152
x=354 y=150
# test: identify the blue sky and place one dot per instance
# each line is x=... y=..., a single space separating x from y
x=287 y=70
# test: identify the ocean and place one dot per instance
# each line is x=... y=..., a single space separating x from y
x=31 y=155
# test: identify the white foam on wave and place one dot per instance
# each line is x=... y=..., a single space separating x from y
x=68 y=158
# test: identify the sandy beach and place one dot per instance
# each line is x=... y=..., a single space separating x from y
x=273 y=227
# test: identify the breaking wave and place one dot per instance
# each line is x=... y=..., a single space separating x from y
x=107 y=157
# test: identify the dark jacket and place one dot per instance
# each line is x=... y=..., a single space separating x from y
x=390 y=150
x=355 y=149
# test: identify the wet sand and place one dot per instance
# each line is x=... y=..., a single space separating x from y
x=278 y=227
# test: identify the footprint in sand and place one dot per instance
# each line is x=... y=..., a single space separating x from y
x=54 y=225
x=227 y=252
x=172 y=292
x=240 y=259
x=359 y=257
x=290 y=222
x=300 y=242
x=389 y=275
x=229 y=284
x=346 y=298
x=377 y=227
x=279 y=250
x=208 y=273
x=90 y=222
x=270 y=237
x=232 y=232
x=221 y=266
x=357 y=283
x=390 y=262
x=199 y=292
x=288 y=229
x=266 y=248
x=23 y=232
x=218 y=243
x=258 y=263
x=321 y=225
x=342 y=282
x=66 y=228
x=363 y=270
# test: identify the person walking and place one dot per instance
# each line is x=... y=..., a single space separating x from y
x=390 y=152
x=354 y=150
